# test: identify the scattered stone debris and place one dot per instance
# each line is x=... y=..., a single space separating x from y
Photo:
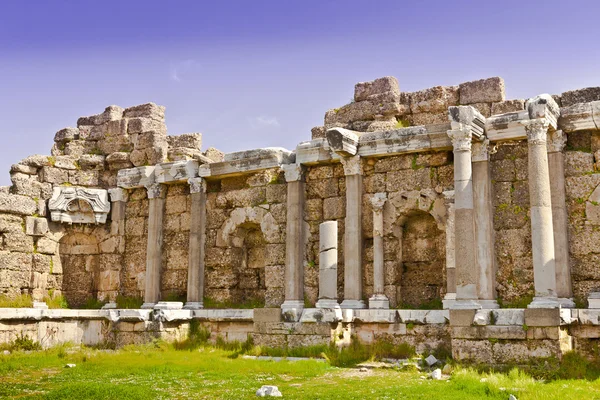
x=431 y=360
x=447 y=370
x=70 y=366
x=268 y=391
x=436 y=375
x=511 y=397
x=6 y=352
x=364 y=369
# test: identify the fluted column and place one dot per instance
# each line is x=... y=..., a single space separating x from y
x=353 y=239
x=195 y=286
x=295 y=241
x=556 y=166
x=542 y=231
x=156 y=208
x=484 y=221
x=379 y=299
x=467 y=124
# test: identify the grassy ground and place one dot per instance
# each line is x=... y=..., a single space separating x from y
x=160 y=372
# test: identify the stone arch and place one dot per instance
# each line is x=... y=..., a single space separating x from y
x=253 y=244
x=416 y=221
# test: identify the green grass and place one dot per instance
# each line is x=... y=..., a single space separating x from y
x=21 y=301
x=159 y=371
x=128 y=302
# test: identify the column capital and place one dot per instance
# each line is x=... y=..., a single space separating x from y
x=352 y=165
x=118 y=194
x=156 y=190
x=378 y=201
x=537 y=130
x=481 y=151
x=293 y=172
x=556 y=142
x=467 y=123
x=197 y=185
x=543 y=107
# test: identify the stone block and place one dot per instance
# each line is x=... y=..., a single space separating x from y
x=585 y=95
x=578 y=163
x=542 y=317
x=214 y=154
x=66 y=135
x=189 y=140
x=509 y=316
x=434 y=100
x=508 y=106
x=267 y=315
x=36 y=226
x=488 y=90
x=16 y=204
x=54 y=175
x=334 y=208
x=462 y=317
x=363 y=111
x=148 y=110
x=365 y=90
x=318 y=132
x=138 y=177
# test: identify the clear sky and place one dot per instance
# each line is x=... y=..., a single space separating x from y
x=254 y=73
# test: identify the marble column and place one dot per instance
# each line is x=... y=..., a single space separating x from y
x=450 y=297
x=466 y=123
x=156 y=208
x=195 y=287
x=542 y=230
x=556 y=167
x=353 y=239
x=484 y=225
x=295 y=241
x=378 y=299
x=118 y=199
x=328 y=260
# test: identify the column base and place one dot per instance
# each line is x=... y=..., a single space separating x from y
x=292 y=310
x=168 y=305
x=379 y=301
x=193 y=305
x=147 y=306
x=466 y=305
x=488 y=304
x=327 y=303
x=353 y=304
x=449 y=300
x=565 y=302
x=544 y=302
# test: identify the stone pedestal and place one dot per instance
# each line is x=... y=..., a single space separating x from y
x=295 y=241
x=156 y=200
x=379 y=299
x=542 y=231
x=353 y=240
x=328 y=259
x=195 y=287
x=484 y=230
x=556 y=167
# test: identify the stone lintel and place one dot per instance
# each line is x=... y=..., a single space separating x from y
x=543 y=106
x=243 y=162
x=507 y=126
x=314 y=152
x=176 y=172
x=343 y=141
x=581 y=116
x=134 y=178
x=406 y=140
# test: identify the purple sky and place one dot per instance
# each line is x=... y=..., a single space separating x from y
x=251 y=74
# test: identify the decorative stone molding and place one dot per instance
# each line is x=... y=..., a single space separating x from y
x=293 y=172
x=156 y=190
x=543 y=107
x=178 y=171
x=197 y=185
x=352 y=165
x=481 y=151
x=133 y=178
x=556 y=142
x=79 y=205
x=118 y=194
x=249 y=161
x=537 y=130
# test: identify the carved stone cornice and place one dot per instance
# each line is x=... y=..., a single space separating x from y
x=556 y=142
x=79 y=205
x=156 y=191
x=294 y=172
x=197 y=185
x=352 y=165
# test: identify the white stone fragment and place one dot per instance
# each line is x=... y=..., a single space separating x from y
x=430 y=360
x=70 y=366
x=509 y=316
x=268 y=391
x=482 y=317
x=436 y=375
x=589 y=317
x=316 y=315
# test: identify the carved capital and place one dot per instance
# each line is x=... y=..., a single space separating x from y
x=197 y=185
x=481 y=151
x=537 y=130
x=557 y=141
x=461 y=138
x=293 y=172
x=378 y=201
x=118 y=194
x=352 y=165
x=156 y=191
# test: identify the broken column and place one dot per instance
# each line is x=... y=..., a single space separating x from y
x=379 y=299
x=484 y=220
x=156 y=200
x=295 y=241
x=543 y=112
x=467 y=124
x=556 y=166
x=195 y=286
x=328 y=259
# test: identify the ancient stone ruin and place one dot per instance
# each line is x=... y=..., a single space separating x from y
x=422 y=217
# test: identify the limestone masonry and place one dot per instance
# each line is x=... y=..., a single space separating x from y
x=421 y=217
